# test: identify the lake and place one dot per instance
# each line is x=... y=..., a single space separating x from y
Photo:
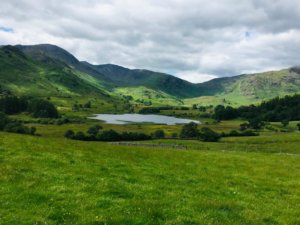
x=140 y=118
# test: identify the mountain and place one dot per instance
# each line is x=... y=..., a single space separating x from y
x=251 y=88
x=112 y=75
x=48 y=70
x=47 y=76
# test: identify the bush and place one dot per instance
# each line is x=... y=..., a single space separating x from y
x=3 y=120
x=208 y=135
x=174 y=135
x=109 y=135
x=149 y=110
x=16 y=127
x=69 y=134
x=285 y=123
x=235 y=133
x=80 y=136
x=87 y=105
x=189 y=131
x=93 y=131
x=159 y=134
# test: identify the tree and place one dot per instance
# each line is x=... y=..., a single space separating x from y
x=285 y=123
x=189 y=131
x=256 y=124
x=69 y=134
x=174 y=135
x=108 y=135
x=244 y=126
x=79 y=136
x=42 y=109
x=207 y=134
x=3 y=120
x=87 y=105
x=32 y=130
x=159 y=134
x=298 y=125
x=93 y=131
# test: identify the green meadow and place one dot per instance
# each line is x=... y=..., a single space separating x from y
x=48 y=179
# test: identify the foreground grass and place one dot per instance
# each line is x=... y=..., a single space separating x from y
x=50 y=180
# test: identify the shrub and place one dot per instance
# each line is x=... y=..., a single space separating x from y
x=93 y=131
x=79 y=136
x=174 y=135
x=189 y=130
x=149 y=110
x=87 y=105
x=159 y=134
x=69 y=134
x=235 y=133
x=207 y=134
x=3 y=120
x=285 y=123
x=16 y=127
x=108 y=135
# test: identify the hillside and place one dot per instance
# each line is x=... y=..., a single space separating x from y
x=252 y=88
x=48 y=70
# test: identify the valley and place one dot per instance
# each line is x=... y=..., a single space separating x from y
x=238 y=165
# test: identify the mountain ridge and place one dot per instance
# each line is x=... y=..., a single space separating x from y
x=107 y=77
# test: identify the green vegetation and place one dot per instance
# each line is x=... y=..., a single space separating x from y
x=38 y=108
x=240 y=166
x=8 y=125
x=53 y=180
x=49 y=71
x=94 y=134
x=277 y=109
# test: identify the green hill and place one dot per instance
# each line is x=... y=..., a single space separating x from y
x=48 y=70
x=252 y=88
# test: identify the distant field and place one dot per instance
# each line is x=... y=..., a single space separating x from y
x=51 y=180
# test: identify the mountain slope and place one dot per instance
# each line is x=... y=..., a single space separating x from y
x=252 y=88
x=111 y=75
x=48 y=70
x=23 y=75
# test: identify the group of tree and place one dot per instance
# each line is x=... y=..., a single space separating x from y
x=191 y=131
x=235 y=133
x=9 y=125
x=274 y=110
x=152 y=110
x=77 y=106
x=95 y=133
x=39 y=108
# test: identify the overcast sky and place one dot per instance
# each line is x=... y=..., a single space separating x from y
x=193 y=39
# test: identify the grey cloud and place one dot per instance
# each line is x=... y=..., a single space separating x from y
x=186 y=36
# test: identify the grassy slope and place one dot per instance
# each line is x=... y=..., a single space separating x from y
x=50 y=180
x=147 y=94
x=247 y=89
x=24 y=76
x=46 y=70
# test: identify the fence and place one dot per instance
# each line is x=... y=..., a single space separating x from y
x=182 y=147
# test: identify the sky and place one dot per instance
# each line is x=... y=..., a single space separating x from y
x=196 y=40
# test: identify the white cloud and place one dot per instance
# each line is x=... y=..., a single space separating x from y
x=192 y=37
x=195 y=77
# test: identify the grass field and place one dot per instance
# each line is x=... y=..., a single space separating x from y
x=51 y=180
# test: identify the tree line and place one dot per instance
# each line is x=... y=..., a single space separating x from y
x=38 y=108
x=274 y=110
x=95 y=133
x=12 y=126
